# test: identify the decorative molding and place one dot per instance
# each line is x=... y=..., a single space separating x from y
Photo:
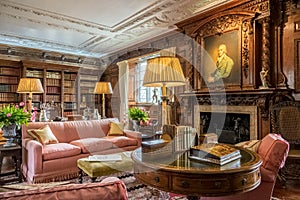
x=245 y=47
x=97 y=39
x=257 y=6
x=259 y=100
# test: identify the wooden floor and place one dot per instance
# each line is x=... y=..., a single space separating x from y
x=290 y=192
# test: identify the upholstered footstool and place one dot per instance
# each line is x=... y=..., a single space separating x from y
x=95 y=168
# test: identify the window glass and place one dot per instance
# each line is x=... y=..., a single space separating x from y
x=145 y=94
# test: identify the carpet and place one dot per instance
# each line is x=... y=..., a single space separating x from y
x=136 y=190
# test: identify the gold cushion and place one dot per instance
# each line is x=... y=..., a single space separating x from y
x=43 y=135
x=116 y=129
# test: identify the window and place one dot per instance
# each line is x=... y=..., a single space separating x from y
x=145 y=94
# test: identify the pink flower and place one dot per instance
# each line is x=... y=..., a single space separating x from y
x=22 y=104
x=17 y=106
x=8 y=115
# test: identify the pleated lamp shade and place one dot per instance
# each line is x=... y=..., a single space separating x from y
x=103 y=88
x=30 y=85
x=163 y=71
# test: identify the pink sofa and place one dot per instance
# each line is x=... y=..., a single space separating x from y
x=110 y=188
x=273 y=150
x=77 y=139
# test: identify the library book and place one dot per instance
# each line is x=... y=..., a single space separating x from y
x=214 y=153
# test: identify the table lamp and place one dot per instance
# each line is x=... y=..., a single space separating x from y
x=103 y=88
x=30 y=85
x=163 y=72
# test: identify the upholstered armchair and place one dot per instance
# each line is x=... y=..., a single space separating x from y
x=273 y=150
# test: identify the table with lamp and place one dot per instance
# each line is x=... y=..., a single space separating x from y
x=30 y=86
x=163 y=71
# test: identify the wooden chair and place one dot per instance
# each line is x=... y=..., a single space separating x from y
x=285 y=120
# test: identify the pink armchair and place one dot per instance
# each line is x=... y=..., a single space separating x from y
x=273 y=150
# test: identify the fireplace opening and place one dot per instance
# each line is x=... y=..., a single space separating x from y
x=231 y=128
x=232 y=124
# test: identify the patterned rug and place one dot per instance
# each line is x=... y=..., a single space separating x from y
x=136 y=190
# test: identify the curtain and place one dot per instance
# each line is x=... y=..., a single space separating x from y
x=123 y=88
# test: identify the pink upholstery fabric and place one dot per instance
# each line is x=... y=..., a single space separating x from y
x=90 y=145
x=108 y=190
x=133 y=134
x=45 y=163
x=273 y=151
x=121 y=141
x=60 y=150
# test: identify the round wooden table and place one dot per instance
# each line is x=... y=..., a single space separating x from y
x=177 y=173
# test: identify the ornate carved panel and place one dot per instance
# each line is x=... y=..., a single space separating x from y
x=219 y=25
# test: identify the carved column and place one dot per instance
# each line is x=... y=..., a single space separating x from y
x=266 y=46
x=281 y=78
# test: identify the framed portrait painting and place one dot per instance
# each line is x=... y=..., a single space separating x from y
x=222 y=59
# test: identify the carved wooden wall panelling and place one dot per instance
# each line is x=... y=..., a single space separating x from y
x=241 y=21
x=291 y=46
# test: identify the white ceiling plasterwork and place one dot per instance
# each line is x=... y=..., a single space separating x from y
x=92 y=28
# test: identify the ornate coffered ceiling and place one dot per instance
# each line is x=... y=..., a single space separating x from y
x=92 y=28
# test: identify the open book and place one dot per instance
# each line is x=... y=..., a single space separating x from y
x=109 y=157
x=214 y=153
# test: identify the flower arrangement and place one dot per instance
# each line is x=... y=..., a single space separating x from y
x=139 y=114
x=14 y=114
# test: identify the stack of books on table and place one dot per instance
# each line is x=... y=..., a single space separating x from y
x=215 y=153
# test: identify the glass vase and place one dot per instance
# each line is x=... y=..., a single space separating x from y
x=9 y=132
x=136 y=125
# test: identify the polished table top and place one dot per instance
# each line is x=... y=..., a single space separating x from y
x=176 y=172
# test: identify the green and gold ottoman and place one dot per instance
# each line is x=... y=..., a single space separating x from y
x=93 y=167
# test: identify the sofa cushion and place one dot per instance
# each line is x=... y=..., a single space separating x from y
x=60 y=150
x=44 y=135
x=89 y=145
x=122 y=141
x=116 y=129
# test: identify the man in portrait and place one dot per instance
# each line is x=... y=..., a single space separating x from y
x=224 y=65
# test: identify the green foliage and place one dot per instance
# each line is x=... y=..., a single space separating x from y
x=14 y=114
x=138 y=114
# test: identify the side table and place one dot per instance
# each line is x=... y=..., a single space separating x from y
x=15 y=153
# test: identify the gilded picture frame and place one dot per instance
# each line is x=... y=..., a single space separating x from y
x=213 y=72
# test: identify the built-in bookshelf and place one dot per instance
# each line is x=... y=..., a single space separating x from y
x=59 y=83
x=37 y=99
x=70 y=97
x=9 y=80
x=53 y=86
x=88 y=99
x=68 y=88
